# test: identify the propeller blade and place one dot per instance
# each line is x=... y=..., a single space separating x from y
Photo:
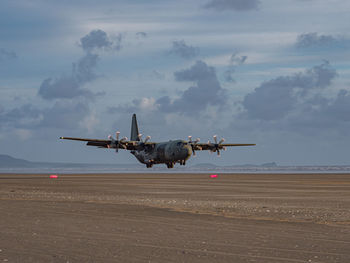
x=147 y=138
x=193 y=144
x=215 y=139
x=140 y=136
x=116 y=143
x=221 y=141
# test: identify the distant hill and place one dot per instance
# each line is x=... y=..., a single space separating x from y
x=8 y=161
x=205 y=165
x=273 y=164
x=235 y=166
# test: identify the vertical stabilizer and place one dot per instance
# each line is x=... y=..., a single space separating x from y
x=134 y=129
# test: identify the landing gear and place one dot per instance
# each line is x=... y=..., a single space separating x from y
x=149 y=165
x=170 y=165
x=182 y=162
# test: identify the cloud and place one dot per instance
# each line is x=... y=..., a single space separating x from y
x=158 y=75
x=21 y=117
x=141 y=34
x=228 y=74
x=315 y=40
x=330 y=111
x=303 y=104
x=7 y=55
x=23 y=134
x=143 y=104
x=276 y=98
x=72 y=86
x=206 y=91
x=99 y=40
x=117 y=44
x=62 y=114
x=234 y=62
x=71 y=106
x=320 y=114
x=340 y=108
x=181 y=49
x=235 y=5
x=65 y=114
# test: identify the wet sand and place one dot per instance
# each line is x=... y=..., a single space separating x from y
x=175 y=218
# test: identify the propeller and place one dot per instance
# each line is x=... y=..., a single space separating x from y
x=146 y=139
x=217 y=145
x=193 y=144
x=142 y=142
x=116 y=143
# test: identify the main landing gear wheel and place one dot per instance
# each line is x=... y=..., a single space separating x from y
x=170 y=165
x=149 y=165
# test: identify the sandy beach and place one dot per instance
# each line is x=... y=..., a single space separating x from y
x=175 y=218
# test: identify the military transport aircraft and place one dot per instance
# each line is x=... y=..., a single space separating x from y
x=150 y=153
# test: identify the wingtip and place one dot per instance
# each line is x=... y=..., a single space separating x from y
x=61 y=138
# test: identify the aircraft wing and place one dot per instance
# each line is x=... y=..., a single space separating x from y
x=121 y=144
x=217 y=146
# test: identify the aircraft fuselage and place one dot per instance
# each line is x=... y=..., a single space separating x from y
x=170 y=152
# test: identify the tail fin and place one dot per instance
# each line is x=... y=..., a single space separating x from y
x=134 y=129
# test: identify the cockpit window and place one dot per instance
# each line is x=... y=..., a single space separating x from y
x=179 y=143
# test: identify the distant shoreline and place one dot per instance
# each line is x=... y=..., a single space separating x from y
x=194 y=170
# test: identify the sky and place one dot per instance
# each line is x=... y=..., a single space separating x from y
x=271 y=72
